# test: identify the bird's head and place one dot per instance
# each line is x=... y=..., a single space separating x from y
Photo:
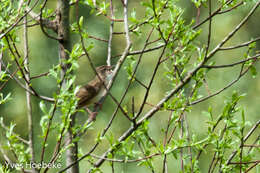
x=105 y=72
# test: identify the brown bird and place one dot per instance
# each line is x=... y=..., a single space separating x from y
x=94 y=90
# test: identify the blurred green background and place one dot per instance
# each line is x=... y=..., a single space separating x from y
x=44 y=54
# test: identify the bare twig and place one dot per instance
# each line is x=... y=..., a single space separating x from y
x=255 y=58
x=96 y=38
x=110 y=34
x=198 y=16
x=28 y=95
x=232 y=8
x=240 y=45
x=40 y=75
x=209 y=29
x=143 y=51
x=256 y=163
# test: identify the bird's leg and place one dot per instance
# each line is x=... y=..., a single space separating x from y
x=98 y=105
x=92 y=115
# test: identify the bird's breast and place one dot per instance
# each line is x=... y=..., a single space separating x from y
x=98 y=96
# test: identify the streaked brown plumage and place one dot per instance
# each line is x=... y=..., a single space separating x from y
x=93 y=91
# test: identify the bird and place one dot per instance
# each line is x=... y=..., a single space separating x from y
x=93 y=91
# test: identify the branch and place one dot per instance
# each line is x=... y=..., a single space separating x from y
x=49 y=99
x=136 y=125
x=216 y=12
x=58 y=18
x=209 y=29
x=99 y=39
x=47 y=132
x=16 y=135
x=231 y=34
x=63 y=19
x=221 y=90
x=107 y=88
x=143 y=51
x=256 y=57
x=240 y=45
x=126 y=161
x=245 y=139
x=232 y=8
x=110 y=35
x=17 y=21
x=117 y=68
x=40 y=75
x=28 y=95
x=51 y=24
x=122 y=59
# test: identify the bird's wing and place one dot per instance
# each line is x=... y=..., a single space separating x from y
x=85 y=94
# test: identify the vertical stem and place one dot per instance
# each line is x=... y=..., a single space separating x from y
x=110 y=34
x=181 y=137
x=28 y=95
x=65 y=44
x=63 y=33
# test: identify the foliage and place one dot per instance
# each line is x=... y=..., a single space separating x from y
x=166 y=70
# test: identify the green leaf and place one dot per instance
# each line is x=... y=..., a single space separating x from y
x=81 y=20
x=243 y=117
x=5 y=99
x=253 y=71
x=43 y=107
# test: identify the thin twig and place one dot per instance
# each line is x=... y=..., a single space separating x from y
x=125 y=161
x=40 y=75
x=216 y=12
x=28 y=95
x=232 y=8
x=209 y=30
x=110 y=34
x=143 y=51
x=252 y=167
x=219 y=91
x=240 y=45
x=255 y=57
x=96 y=38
